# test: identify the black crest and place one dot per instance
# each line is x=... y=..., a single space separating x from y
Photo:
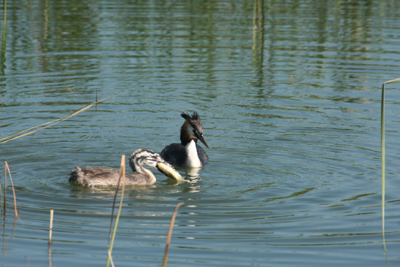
x=194 y=117
x=194 y=121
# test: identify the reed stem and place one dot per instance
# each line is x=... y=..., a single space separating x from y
x=5 y=187
x=122 y=174
x=3 y=45
x=51 y=226
x=48 y=124
x=13 y=189
x=383 y=160
x=171 y=226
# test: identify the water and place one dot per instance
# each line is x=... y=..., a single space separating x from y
x=294 y=177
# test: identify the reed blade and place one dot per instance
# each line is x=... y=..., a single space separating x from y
x=13 y=189
x=171 y=226
x=5 y=187
x=47 y=124
x=50 y=234
x=4 y=39
x=121 y=175
x=51 y=226
x=383 y=161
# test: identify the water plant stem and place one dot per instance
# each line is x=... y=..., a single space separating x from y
x=51 y=226
x=48 y=124
x=111 y=260
x=121 y=175
x=383 y=160
x=171 y=226
x=383 y=165
x=50 y=234
x=5 y=186
x=113 y=206
x=13 y=189
x=3 y=45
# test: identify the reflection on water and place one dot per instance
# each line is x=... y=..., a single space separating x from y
x=193 y=174
x=289 y=96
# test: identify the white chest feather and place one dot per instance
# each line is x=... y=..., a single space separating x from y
x=192 y=159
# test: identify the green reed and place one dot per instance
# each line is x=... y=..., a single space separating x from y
x=383 y=161
x=121 y=175
x=4 y=25
x=37 y=128
x=3 y=41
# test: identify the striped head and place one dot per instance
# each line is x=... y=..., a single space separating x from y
x=192 y=129
x=142 y=157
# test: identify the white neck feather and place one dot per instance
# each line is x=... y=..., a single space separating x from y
x=192 y=159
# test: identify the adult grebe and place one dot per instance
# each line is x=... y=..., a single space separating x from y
x=188 y=152
x=107 y=176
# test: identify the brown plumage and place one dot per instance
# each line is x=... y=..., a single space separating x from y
x=107 y=176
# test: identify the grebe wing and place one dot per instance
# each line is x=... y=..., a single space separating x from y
x=174 y=154
x=202 y=155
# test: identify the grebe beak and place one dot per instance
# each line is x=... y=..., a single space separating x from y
x=201 y=138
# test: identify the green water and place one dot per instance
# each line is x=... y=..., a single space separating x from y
x=294 y=177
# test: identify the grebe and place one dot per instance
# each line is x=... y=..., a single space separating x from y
x=188 y=152
x=107 y=176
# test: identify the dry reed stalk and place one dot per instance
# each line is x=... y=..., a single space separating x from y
x=115 y=199
x=171 y=226
x=12 y=185
x=50 y=234
x=51 y=226
x=291 y=79
x=49 y=257
x=1 y=193
x=121 y=175
x=5 y=186
x=49 y=124
x=111 y=260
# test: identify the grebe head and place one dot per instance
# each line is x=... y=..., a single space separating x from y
x=147 y=157
x=192 y=129
x=141 y=157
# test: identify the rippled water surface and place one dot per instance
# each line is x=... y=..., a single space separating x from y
x=294 y=177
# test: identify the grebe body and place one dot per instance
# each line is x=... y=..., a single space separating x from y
x=107 y=176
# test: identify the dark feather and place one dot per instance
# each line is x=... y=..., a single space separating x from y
x=175 y=154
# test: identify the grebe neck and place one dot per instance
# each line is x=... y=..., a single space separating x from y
x=192 y=156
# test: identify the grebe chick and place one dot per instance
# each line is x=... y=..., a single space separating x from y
x=107 y=176
x=188 y=152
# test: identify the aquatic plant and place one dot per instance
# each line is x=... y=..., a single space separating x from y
x=121 y=175
x=383 y=161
